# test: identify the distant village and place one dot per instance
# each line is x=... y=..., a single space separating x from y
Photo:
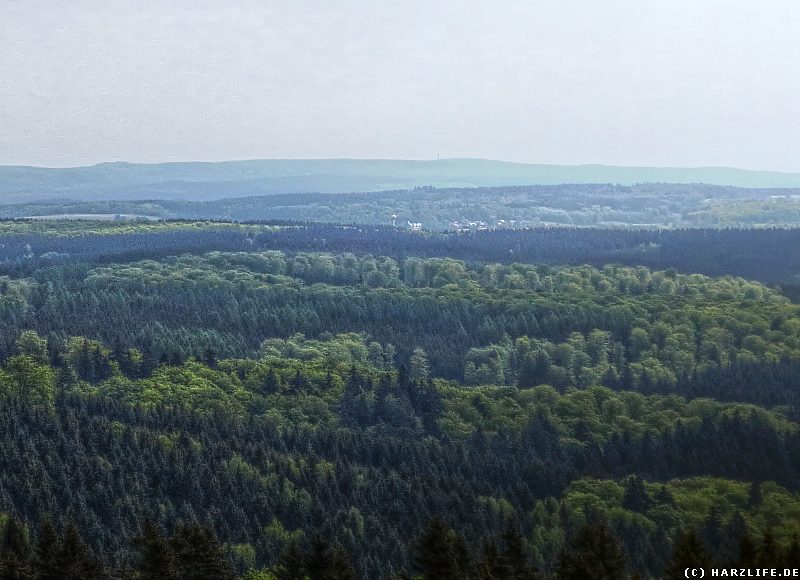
x=465 y=226
x=479 y=225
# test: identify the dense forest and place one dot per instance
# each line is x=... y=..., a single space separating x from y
x=280 y=401
x=769 y=255
x=666 y=205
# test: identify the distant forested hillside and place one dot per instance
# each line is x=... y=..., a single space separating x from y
x=205 y=181
x=597 y=205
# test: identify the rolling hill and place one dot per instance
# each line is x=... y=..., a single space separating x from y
x=217 y=180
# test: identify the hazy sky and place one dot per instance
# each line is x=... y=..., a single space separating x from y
x=640 y=82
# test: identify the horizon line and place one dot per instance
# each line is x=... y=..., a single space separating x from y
x=402 y=160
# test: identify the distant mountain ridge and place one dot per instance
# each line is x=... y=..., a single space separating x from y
x=218 y=180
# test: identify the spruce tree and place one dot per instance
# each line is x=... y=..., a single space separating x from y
x=270 y=383
x=792 y=556
x=747 y=551
x=482 y=571
x=461 y=554
x=736 y=526
x=733 y=532
x=593 y=554
x=319 y=558
x=514 y=558
x=210 y=358
x=754 y=494
x=291 y=565
x=198 y=555
x=420 y=367
x=74 y=560
x=45 y=562
x=15 y=556
x=664 y=496
x=711 y=532
x=433 y=555
x=490 y=565
x=635 y=497
x=687 y=552
x=155 y=559
x=768 y=551
x=340 y=567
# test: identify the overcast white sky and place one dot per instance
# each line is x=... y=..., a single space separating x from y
x=639 y=82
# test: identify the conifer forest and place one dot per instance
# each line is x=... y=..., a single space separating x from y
x=289 y=400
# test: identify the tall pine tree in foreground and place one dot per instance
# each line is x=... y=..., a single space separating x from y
x=15 y=555
x=594 y=553
x=320 y=561
x=747 y=551
x=490 y=565
x=155 y=558
x=74 y=560
x=440 y=554
x=792 y=557
x=768 y=552
x=687 y=552
x=291 y=565
x=198 y=555
x=514 y=560
x=45 y=561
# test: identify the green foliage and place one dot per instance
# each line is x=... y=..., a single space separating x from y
x=301 y=405
x=687 y=505
x=72 y=228
x=662 y=205
x=652 y=329
x=23 y=376
x=596 y=412
x=259 y=575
